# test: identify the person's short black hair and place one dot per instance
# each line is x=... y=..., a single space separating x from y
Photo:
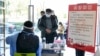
x=42 y=12
x=28 y=24
x=48 y=10
x=60 y=23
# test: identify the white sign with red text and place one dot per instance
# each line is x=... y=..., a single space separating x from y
x=82 y=26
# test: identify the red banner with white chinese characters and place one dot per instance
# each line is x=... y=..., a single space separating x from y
x=82 y=26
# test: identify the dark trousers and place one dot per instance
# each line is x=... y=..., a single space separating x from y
x=49 y=38
x=60 y=35
x=80 y=52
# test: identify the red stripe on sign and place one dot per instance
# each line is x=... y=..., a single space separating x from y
x=83 y=7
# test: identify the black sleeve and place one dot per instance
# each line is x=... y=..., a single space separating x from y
x=41 y=24
x=54 y=28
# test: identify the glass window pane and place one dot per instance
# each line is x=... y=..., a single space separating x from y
x=1 y=3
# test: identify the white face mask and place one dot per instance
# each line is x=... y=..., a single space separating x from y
x=47 y=15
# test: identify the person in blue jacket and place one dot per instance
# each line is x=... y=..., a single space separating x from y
x=11 y=40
